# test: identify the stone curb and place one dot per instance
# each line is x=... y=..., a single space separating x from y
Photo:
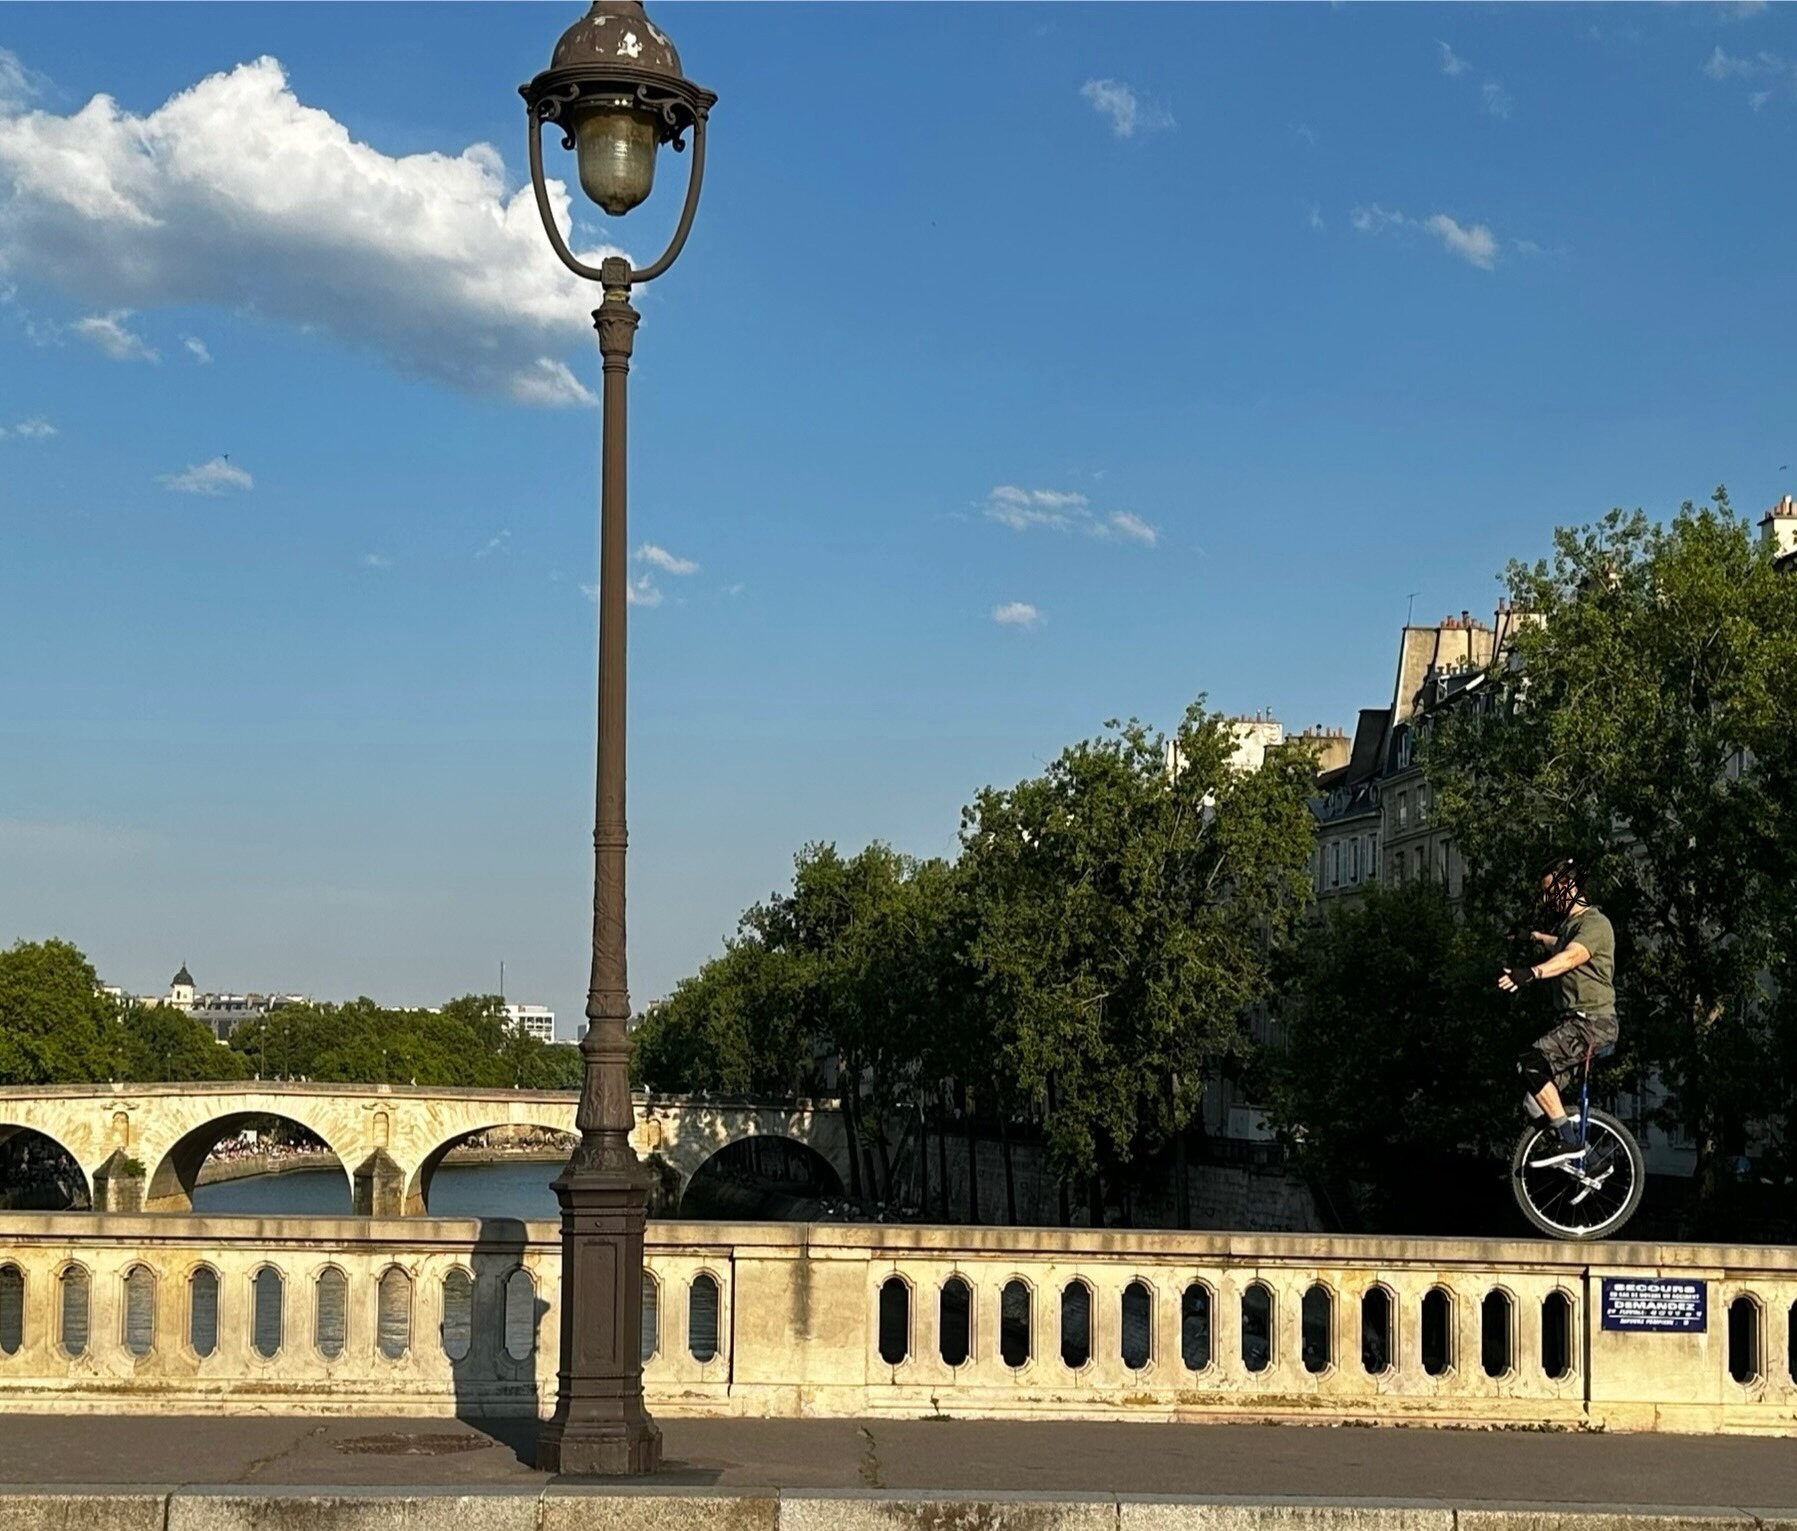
x=570 y=1505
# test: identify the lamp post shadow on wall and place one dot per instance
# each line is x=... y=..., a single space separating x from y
x=615 y=89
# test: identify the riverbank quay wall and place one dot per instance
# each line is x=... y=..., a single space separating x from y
x=423 y=1317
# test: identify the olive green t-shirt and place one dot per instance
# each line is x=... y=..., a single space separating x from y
x=1591 y=986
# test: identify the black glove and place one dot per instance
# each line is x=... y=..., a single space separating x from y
x=1522 y=977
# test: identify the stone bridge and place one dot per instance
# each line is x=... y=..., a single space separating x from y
x=140 y=1147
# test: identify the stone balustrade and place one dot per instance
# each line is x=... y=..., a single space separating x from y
x=175 y=1314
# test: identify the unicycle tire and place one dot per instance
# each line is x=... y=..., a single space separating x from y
x=1548 y=1192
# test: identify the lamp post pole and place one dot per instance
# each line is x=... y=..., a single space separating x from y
x=616 y=89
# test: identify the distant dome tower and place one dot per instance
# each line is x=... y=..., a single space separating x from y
x=180 y=990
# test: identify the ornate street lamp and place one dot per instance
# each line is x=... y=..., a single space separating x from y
x=615 y=89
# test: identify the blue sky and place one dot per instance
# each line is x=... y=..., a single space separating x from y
x=1029 y=366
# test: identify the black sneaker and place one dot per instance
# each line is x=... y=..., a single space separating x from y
x=1568 y=1128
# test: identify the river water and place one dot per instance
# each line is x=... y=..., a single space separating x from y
x=458 y=1190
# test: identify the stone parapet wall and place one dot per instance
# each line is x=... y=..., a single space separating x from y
x=569 y=1506
x=172 y=1314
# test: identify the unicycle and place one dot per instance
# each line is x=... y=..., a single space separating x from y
x=1587 y=1192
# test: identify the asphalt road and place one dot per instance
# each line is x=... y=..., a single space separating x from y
x=1464 y=1467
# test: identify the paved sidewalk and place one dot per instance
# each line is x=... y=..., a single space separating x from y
x=1460 y=1467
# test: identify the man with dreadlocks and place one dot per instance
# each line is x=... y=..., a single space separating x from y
x=1582 y=964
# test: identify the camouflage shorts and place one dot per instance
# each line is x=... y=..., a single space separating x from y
x=1565 y=1046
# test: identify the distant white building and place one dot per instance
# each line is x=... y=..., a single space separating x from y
x=532 y=1020
x=221 y=1013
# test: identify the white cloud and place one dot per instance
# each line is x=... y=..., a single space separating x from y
x=196 y=348
x=1017 y=614
x=1063 y=510
x=1526 y=247
x=1316 y=217
x=494 y=544
x=1773 y=73
x=664 y=560
x=37 y=428
x=376 y=561
x=17 y=83
x=1476 y=244
x=1021 y=509
x=213 y=477
x=641 y=591
x=1127 y=112
x=1306 y=132
x=1743 y=10
x=1373 y=219
x=1451 y=62
x=109 y=333
x=1497 y=99
x=1123 y=524
x=235 y=193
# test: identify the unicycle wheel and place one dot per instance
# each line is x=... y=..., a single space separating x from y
x=1586 y=1193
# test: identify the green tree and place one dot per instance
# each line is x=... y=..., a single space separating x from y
x=158 y=1043
x=1125 y=906
x=1650 y=725
x=1399 y=1049
x=734 y=1028
x=53 y=1019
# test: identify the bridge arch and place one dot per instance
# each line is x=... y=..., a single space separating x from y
x=176 y=1173
x=15 y=1136
x=551 y=1118
x=796 y=1165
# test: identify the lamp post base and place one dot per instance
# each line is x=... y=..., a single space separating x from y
x=601 y=1427
x=621 y=1450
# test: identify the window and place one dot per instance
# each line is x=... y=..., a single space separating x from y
x=1437 y=1332
x=521 y=1314
x=954 y=1322
x=1138 y=1325
x=1194 y=1327
x=330 y=1313
x=1403 y=810
x=1354 y=859
x=393 y=1313
x=140 y=1310
x=1372 y=856
x=1014 y=1324
x=1744 y=1360
x=1422 y=806
x=268 y=1302
x=1257 y=1327
x=12 y=1309
x=895 y=1320
x=702 y=1318
x=458 y=1314
x=651 y=1317
x=74 y=1311
x=1335 y=871
x=1375 y=1331
x=1422 y=865
x=1076 y=1325
x=1317 y=1321
x=1494 y=1333
x=1556 y=1336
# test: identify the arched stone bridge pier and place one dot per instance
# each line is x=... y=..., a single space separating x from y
x=140 y=1147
